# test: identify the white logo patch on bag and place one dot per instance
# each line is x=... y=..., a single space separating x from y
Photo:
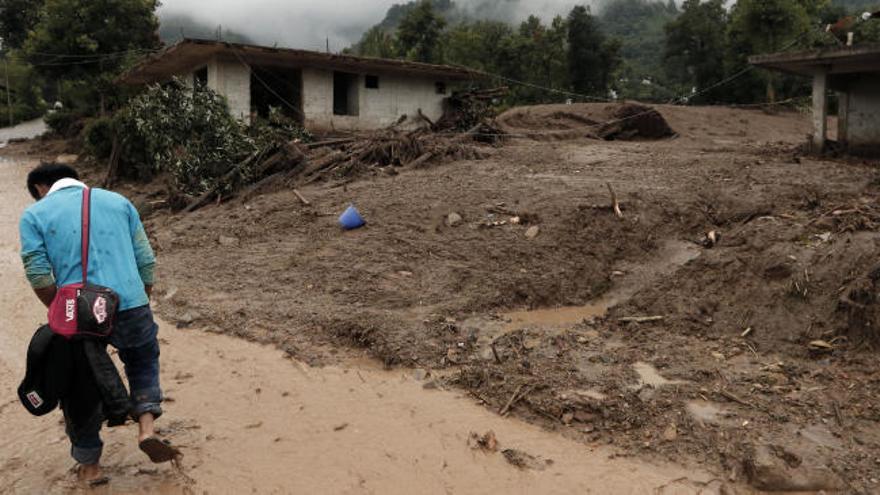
x=70 y=309
x=100 y=310
x=35 y=399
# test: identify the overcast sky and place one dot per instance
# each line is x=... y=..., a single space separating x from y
x=308 y=23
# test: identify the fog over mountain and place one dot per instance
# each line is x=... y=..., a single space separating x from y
x=309 y=24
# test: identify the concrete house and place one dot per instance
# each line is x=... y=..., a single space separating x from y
x=852 y=72
x=323 y=91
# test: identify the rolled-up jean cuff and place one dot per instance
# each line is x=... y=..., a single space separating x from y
x=86 y=455
x=146 y=401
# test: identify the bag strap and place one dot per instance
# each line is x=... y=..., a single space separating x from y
x=86 y=217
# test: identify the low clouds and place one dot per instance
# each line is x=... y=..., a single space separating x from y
x=309 y=24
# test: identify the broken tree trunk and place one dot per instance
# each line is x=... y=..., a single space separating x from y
x=113 y=165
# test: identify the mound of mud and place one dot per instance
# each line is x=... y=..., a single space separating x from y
x=610 y=122
x=632 y=122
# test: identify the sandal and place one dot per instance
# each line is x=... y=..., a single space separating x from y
x=159 y=451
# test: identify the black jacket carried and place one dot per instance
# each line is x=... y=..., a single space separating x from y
x=78 y=373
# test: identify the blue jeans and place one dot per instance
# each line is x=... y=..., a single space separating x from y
x=135 y=337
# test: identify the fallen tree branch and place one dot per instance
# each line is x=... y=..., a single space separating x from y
x=426 y=119
x=730 y=396
x=430 y=154
x=513 y=398
x=288 y=152
x=207 y=195
x=330 y=142
x=301 y=198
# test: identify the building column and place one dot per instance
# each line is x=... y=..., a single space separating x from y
x=842 y=117
x=820 y=110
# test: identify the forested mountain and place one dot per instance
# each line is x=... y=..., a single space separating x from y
x=646 y=49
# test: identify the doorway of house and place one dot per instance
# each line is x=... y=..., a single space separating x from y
x=276 y=87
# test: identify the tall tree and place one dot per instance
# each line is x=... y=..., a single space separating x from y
x=695 y=46
x=763 y=26
x=89 y=41
x=419 y=33
x=17 y=18
x=376 y=43
x=591 y=58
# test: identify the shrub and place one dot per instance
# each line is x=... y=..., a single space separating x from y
x=65 y=123
x=188 y=133
x=98 y=138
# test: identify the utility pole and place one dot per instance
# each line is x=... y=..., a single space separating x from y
x=8 y=93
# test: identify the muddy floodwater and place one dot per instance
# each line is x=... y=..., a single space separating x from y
x=250 y=420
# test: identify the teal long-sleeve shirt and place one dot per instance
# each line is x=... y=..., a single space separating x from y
x=120 y=256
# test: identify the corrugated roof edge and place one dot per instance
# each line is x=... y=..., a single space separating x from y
x=817 y=55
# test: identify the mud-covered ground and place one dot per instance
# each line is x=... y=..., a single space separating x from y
x=750 y=354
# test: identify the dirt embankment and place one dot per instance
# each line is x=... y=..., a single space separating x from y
x=747 y=353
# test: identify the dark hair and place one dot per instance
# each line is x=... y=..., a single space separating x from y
x=47 y=174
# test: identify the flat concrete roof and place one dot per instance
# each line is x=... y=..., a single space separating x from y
x=190 y=54
x=837 y=60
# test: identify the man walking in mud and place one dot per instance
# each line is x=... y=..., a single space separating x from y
x=120 y=258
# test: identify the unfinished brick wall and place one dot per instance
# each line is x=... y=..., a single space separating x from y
x=397 y=95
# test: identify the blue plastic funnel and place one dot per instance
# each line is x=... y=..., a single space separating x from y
x=351 y=219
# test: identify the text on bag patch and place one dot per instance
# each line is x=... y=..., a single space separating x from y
x=70 y=309
x=35 y=399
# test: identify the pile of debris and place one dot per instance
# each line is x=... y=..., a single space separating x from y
x=631 y=121
x=465 y=109
x=296 y=163
x=605 y=121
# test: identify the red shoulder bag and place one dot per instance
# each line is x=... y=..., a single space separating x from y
x=84 y=310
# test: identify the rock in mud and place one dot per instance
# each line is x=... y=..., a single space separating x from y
x=187 y=319
x=533 y=232
x=524 y=460
x=670 y=434
x=774 y=469
x=228 y=241
x=453 y=220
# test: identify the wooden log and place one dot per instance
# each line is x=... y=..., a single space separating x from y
x=430 y=154
x=330 y=142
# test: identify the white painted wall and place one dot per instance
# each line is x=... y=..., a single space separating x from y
x=863 y=117
x=232 y=79
x=397 y=95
